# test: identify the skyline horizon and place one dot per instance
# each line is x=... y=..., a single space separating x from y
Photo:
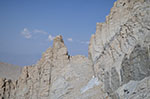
x=28 y=28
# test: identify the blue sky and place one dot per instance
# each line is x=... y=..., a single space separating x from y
x=27 y=27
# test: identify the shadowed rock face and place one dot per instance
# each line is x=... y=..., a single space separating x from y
x=118 y=65
x=137 y=66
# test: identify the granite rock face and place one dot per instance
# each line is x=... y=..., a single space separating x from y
x=120 y=47
x=118 y=65
x=55 y=76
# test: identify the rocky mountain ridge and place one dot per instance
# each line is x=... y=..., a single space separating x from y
x=9 y=71
x=118 y=65
x=120 y=52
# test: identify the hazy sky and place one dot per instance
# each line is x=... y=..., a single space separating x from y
x=27 y=27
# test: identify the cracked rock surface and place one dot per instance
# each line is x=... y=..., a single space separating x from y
x=117 y=67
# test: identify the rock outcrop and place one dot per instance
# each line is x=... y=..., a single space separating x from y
x=118 y=65
x=56 y=75
x=119 y=49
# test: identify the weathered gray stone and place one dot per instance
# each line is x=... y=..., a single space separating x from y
x=114 y=47
x=137 y=66
x=118 y=65
x=115 y=82
x=107 y=83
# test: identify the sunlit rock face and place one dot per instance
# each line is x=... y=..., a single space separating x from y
x=55 y=76
x=118 y=65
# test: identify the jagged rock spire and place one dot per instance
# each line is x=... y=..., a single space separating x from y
x=59 y=47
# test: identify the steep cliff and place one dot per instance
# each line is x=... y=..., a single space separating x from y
x=56 y=75
x=119 y=49
x=118 y=65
